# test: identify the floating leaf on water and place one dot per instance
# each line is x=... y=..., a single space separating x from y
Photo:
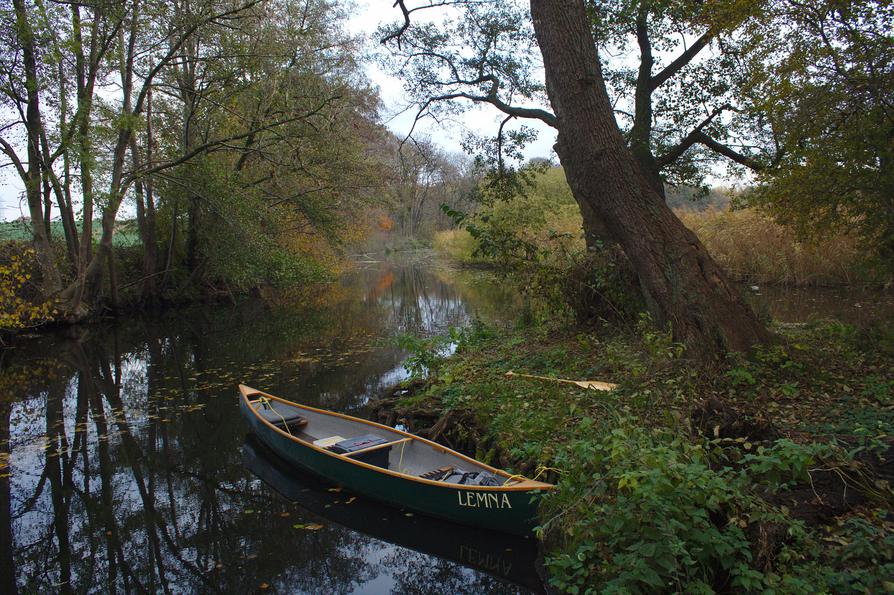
x=313 y=527
x=249 y=511
x=285 y=514
x=263 y=586
x=408 y=514
x=334 y=489
x=351 y=499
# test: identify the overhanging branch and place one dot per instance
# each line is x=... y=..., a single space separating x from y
x=681 y=61
x=699 y=137
x=222 y=142
x=729 y=153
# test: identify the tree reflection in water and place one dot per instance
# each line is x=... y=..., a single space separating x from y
x=120 y=462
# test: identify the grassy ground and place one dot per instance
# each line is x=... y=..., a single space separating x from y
x=764 y=474
x=126 y=232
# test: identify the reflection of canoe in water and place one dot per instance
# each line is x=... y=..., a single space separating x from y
x=393 y=466
x=500 y=555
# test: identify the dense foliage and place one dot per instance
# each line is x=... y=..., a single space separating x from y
x=823 y=80
x=663 y=487
x=20 y=304
x=243 y=138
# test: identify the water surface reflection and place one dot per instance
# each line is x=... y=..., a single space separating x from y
x=122 y=452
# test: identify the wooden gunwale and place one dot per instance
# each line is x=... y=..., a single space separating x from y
x=523 y=485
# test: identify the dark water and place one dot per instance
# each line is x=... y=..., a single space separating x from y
x=126 y=466
x=853 y=305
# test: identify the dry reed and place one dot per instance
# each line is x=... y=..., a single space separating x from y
x=752 y=247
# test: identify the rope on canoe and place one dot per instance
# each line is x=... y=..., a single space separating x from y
x=540 y=471
x=400 y=463
x=266 y=401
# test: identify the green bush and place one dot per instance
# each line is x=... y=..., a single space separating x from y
x=647 y=510
x=649 y=513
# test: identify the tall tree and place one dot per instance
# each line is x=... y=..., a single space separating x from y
x=22 y=92
x=682 y=284
x=673 y=78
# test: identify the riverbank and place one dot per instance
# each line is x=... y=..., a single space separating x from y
x=129 y=291
x=771 y=472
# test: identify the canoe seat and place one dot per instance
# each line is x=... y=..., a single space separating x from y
x=281 y=415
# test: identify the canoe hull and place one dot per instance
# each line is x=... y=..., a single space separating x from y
x=510 y=511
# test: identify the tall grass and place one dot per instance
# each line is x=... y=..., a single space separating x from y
x=749 y=245
x=752 y=247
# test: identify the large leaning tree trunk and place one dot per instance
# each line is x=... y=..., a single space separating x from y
x=681 y=282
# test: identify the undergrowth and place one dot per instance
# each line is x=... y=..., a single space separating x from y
x=654 y=494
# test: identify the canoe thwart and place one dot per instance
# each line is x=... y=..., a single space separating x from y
x=327 y=442
x=375 y=447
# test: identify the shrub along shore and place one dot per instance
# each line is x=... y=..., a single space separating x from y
x=769 y=473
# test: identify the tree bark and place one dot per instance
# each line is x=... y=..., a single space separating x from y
x=641 y=133
x=85 y=86
x=681 y=282
x=50 y=279
x=146 y=209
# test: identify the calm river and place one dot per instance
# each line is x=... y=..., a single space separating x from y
x=125 y=465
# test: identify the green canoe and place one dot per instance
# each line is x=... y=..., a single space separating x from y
x=393 y=466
